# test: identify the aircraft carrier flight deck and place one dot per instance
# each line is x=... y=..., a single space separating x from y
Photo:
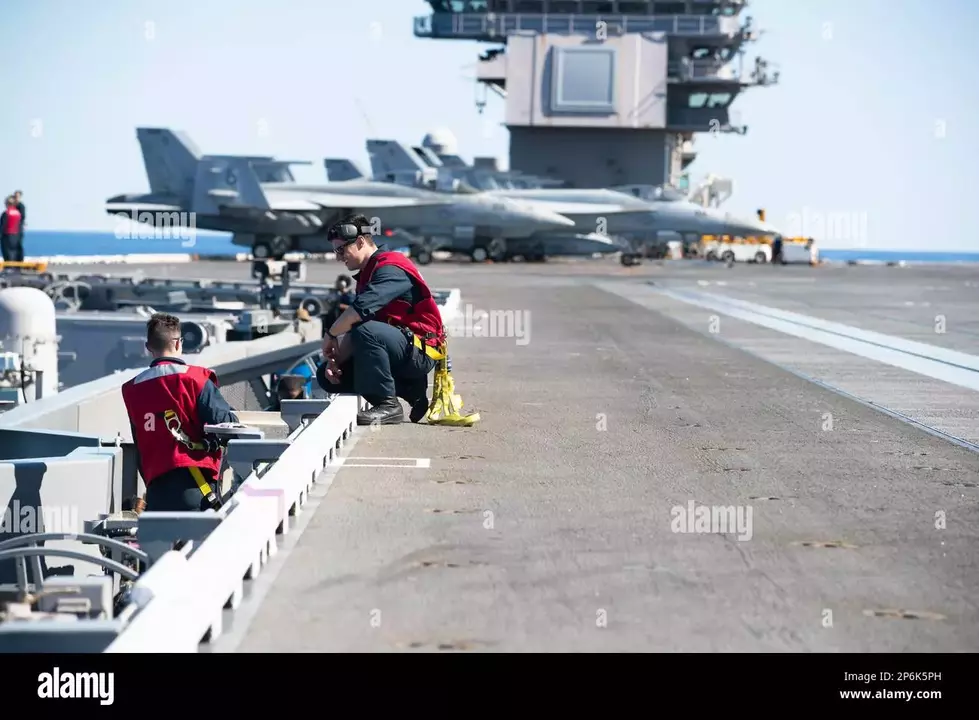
x=548 y=526
x=672 y=455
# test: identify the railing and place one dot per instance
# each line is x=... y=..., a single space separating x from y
x=69 y=458
x=198 y=562
x=701 y=70
x=482 y=26
x=182 y=597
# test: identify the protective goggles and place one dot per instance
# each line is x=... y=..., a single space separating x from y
x=348 y=232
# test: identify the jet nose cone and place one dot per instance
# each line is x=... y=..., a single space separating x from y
x=546 y=219
x=555 y=220
x=734 y=225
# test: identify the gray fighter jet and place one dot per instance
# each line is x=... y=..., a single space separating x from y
x=258 y=200
x=569 y=241
x=636 y=218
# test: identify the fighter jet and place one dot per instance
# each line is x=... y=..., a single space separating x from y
x=258 y=200
x=484 y=173
x=566 y=242
x=632 y=218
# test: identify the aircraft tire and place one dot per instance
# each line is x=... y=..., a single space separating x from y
x=312 y=305
x=496 y=249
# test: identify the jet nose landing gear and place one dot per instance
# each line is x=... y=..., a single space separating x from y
x=268 y=247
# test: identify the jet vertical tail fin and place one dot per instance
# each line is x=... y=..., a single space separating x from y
x=389 y=157
x=453 y=161
x=170 y=159
x=427 y=156
x=338 y=170
x=226 y=182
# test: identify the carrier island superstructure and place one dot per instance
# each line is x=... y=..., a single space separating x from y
x=626 y=85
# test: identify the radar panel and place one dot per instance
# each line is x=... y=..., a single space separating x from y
x=583 y=80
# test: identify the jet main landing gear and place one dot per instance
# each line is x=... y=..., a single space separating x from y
x=494 y=249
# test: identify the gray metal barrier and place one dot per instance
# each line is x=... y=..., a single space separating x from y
x=68 y=459
x=198 y=563
x=182 y=598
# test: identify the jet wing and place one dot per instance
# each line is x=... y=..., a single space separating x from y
x=324 y=199
x=577 y=208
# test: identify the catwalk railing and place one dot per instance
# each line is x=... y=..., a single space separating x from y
x=67 y=461
x=487 y=26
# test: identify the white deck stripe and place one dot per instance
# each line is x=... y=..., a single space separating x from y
x=930 y=352
x=372 y=462
x=885 y=348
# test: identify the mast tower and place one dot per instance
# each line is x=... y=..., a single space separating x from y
x=611 y=93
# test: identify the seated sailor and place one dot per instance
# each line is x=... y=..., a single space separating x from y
x=289 y=387
x=384 y=345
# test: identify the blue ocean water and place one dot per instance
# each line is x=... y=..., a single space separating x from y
x=910 y=256
x=47 y=243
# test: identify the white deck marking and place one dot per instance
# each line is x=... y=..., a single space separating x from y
x=403 y=462
x=929 y=360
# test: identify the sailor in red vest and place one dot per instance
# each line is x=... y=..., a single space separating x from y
x=384 y=345
x=19 y=203
x=169 y=404
x=11 y=229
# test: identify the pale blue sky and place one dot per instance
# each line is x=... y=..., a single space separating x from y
x=850 y=130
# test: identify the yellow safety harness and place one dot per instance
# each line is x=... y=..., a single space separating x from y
x=176 y=429
x=436 y=353
x=446 y=403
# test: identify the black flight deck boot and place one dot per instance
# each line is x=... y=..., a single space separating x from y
x=416 y=395
x=383 y=411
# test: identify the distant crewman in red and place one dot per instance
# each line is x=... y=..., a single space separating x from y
x=11 y=232
x=384 y=345
x=19 y=202
x=169 y=404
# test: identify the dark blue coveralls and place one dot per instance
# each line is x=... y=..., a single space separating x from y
x=385 y=362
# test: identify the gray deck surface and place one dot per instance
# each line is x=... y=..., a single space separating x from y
x=543 y=529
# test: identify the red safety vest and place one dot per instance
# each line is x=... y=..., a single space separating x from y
x=13 y=221
x=162 y=405
x=424 y=319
